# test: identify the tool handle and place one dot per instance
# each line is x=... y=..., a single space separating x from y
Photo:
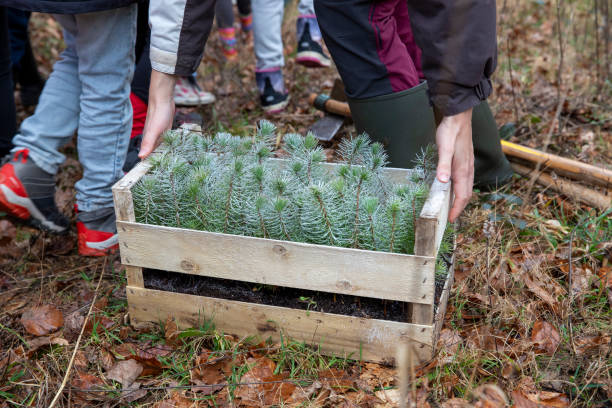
x=324 y=103
x=568 y=188
x=569 y=167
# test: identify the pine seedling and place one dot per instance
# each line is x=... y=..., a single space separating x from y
x=361 y=175
x=369 y=236
x=266 y=133
x=352 y=151
x=392 y=229
x=319 y=217
x=280 y=222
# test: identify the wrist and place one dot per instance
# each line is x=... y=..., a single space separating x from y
x=161 y=89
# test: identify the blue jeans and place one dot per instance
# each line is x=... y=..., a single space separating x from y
x=87 y=91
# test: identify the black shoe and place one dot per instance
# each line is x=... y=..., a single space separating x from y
x=309 y=52
x=132 y=159
x=271 y=100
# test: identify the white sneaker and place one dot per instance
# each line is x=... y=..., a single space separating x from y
x=184 y=93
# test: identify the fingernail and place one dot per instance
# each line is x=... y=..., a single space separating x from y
x=443 y=178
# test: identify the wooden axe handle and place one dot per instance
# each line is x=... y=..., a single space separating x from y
x=326 y=104
x=567 y=167
x=568 y=188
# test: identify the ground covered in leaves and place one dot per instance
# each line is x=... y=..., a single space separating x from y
x=529 y=319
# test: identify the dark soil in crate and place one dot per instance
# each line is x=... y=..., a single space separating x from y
x=279 y=296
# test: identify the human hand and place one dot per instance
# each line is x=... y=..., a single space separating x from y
x=456 y=158
x=160 y=112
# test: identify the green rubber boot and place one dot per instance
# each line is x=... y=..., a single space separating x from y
x=403 y=122
x=491 y=167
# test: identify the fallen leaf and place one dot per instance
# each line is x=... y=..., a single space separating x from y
x=260 y=369
x=133 y=393
x=456 y=403
x=72 y=325
x=176 y=401
x=537 y=289
x=145 y=354
x=391 y=396
x=541 y=399
x=86 y=385
x=42 y=320
x=125 y=372
x=171 y=332
x=580 y=280
x=545 y=337
x=591 y=343
x=106 y=359
x=80 y=361
x=605 y=275
x=39 y=342
x=449 y=340
x=99 y=323
x=210 y=372
x=490 y=396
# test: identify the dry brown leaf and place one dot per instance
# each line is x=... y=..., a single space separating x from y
x=456 y=403
x=581 y=280
x=42 y=320
x=541 y=399
x=133 y=393
x=449 y=340
x=261 y=368
x=537 y=289
x=145 y=354
x=39 y=342
x=87 y=384
x=591 y=343
x=605 y=275
x=490 y=396
x=210 y=372
x=80 y=361
x=171 y=332
x=98 y=322
x=125 y=372
x=545 y=337
x=389 y=397
x=176 y=401
x=72 y=325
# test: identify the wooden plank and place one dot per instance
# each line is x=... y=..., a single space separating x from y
x=347 y=271
x=134 y=276
x=376 y=340
x=431 y=223
x=122 y=194
x=442 y=305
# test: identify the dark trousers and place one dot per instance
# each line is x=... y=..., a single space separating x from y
x=372 y=45
x=224 y=11
x=8 y=124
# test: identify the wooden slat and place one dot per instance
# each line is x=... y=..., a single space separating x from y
x=431 y=223
x=442 y=305
x=291 y=264
x=429 y=232
x=122 y=194
x=134 y=276
x=335 y=334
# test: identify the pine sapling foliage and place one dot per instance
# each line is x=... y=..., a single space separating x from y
x=232 y=185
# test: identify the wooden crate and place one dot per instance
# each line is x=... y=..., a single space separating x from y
x=407 y=278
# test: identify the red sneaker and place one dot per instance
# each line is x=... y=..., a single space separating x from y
x=97 y=232
x=27 y=192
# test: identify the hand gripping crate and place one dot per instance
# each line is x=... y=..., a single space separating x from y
x=382 y=275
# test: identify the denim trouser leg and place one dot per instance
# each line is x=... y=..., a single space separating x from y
x=57 y=114
x=105 y=45
x=89 y=89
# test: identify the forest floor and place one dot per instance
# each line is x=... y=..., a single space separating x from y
x=529 y=320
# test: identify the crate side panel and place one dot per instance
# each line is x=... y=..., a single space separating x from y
x=281 y=263
x=375 y=340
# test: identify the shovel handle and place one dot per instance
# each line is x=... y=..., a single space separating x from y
x=326 y=104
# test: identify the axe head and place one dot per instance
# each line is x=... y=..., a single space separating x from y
x=326 y=128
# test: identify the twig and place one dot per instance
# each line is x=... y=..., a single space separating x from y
x=78 y=342
x=571 y=294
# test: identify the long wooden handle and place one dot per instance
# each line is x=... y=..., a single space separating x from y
x=566 y=167
x=332 y=106
x=566 y=187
